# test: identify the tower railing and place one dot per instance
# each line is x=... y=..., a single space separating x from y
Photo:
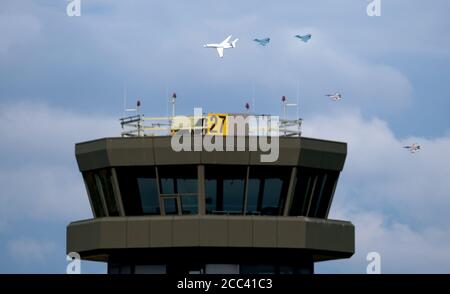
x=141 y=126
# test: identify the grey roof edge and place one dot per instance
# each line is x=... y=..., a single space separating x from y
x=106 y=152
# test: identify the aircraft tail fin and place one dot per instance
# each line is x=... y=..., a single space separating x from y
x=233 y=44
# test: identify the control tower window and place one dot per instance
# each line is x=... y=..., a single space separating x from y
x=94 y=194
x=148 y=192
x=306 y=178
x=100 y=188
x=105 y=178
x=313 y=192
x=323 y=194
x=170 y=205
x=267 y=190
x=178 y=189
x=224 y=189
x=139 y=190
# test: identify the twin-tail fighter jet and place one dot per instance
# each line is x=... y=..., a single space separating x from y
x=304 y=38
x=413 y=148
x=335 y=97
x=263 y=42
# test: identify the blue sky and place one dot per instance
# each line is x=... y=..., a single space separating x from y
x=62 y=80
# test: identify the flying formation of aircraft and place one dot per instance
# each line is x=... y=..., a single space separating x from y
x=335 y=97
x=225 y=44
x=304 y=38
x=413 y=148
x=262 y=42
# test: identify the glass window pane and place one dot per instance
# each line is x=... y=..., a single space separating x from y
x=105 y=177
x=94 y=194
x=178 y=179
x=224 y=189
x=210 y=195
x=170 y=206
x=189 y=204
x=267 y=189
x=318 y=193
x=233 y=195
x=314 y=189
x=302 y=184
x=327 y=194
x=311 y=181
x=167 y=186
x=149 y=195
x=252 y=196
x=181 y=182
x=187 y=185
x=138 y=189
x=271 y=199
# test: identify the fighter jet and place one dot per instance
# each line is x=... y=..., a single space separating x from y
x=413 y=148
x=224 y=45
x=335 y=97
x=263 y=42
x=304 y=38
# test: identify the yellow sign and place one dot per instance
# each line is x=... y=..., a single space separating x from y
x=217 y=124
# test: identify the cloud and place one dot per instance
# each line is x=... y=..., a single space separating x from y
x=380 y=173
x=157 y=47
x=403 y=248
x=30 y=251
x=39 y=174
x=25 y=30
x=397 y=201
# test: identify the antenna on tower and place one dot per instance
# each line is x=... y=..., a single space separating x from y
x=173 y=101
x=285 y=123
x=253 y=97
x=167 y=95
x=138 y=105
x=247 y=107
x=124 y=90
x=125 y=109
x=298 y=99
x=286 y=105
x=140 y=122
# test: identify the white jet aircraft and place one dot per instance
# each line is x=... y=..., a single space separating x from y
x=413 y=148
x=224 y=45
x=335 y=97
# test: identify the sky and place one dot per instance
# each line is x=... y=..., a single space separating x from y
x=62 y=81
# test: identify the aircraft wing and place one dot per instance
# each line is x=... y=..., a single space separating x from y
x=226 y=40
x=220 y=51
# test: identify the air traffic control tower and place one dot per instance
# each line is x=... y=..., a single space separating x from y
x=160 y=211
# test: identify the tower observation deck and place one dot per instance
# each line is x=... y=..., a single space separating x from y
x=157 y=210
